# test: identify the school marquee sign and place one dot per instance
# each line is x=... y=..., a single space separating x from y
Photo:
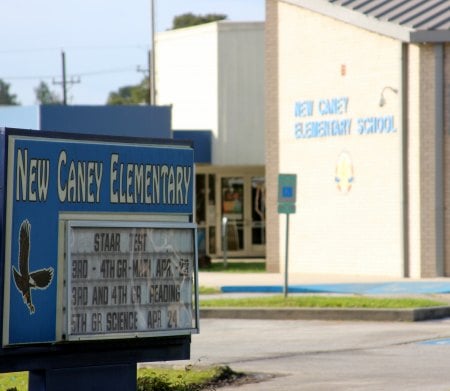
x=98 y=238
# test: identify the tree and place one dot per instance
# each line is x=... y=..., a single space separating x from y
x=7 y=98
x=45 y=96
x=131 y=95
x=189 y=19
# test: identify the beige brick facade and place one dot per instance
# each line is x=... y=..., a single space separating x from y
x=447 y=158
x=427 y=171
x=272 y=148
x=323 y=74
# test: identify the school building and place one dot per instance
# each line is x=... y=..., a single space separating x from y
x=358 y=107
x=212 y=75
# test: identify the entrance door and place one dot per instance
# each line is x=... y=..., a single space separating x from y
x=238 y=194
x=258 y=212
x=205 y=213
x=232 y=192
x=243 y=207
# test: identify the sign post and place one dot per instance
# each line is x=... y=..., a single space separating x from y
x=287 y=192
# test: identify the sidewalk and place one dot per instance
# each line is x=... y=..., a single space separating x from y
x=312 y=283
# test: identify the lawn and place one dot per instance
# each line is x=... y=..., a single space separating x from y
x=14 y=381
x=308 y=301
x=190 y=378
x=236 y=267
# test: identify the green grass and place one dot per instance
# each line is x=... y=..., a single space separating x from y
x=236 y=267
x=208 y=290
x=191 y=378
x=321 y=302
x=11 y=380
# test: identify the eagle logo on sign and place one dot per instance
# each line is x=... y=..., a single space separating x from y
x=24 y=279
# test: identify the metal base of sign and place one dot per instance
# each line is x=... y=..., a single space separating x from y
x=98 y=378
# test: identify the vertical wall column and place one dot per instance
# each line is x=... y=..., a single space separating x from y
x=439 y=183
x=431 y=160
x=446 y=156
x=272 y=136
x=405 y=153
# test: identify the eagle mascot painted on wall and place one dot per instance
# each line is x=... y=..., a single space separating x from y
x=24 y=279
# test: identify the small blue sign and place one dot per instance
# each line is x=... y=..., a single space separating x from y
x=287 y=187
x=287 y=193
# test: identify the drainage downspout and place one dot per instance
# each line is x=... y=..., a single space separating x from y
x=439 y=158
x=405 y=166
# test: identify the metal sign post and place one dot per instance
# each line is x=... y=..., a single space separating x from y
x=286 y=204
x=225 y=241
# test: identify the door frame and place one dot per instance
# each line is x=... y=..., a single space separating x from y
x=247 y=173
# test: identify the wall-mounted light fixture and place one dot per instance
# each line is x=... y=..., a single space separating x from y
x=382 y=98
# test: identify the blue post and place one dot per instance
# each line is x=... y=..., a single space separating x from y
x=95 y=378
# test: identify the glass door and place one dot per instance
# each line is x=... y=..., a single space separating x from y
x=205 y=214
x=236 y=194
x=258 y=207
x=232 y=192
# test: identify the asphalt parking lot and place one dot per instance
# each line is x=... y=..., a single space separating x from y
x=325 y=355
x=333 y=354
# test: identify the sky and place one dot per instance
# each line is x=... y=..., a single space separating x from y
x=104 y=41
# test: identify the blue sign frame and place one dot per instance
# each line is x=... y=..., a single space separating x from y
x=46 y=175
x=287 y=193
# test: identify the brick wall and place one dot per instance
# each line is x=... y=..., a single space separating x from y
x=427 y=170
x=414 y=153
x=272 y=147
x=310 y=57
x=359 y=231
x=447 y=156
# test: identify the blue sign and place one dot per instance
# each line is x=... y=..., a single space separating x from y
x=49 y=176
x=287 y=184
x=287 y=191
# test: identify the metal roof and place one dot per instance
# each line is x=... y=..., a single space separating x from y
x=407 y=20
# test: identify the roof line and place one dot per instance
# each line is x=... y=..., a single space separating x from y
x=392 y=8
x=355 y=18
x=358 y=19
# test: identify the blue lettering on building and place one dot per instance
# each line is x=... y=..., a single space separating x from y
x=371 y=125
x=330 y=126
x=333 y=106
x=315 y=129
x=303 y=108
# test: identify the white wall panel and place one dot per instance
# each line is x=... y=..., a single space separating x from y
x=213 y=75
x=241 y=93
x=357 y=229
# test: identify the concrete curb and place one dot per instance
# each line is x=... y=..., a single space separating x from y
x=363 y=314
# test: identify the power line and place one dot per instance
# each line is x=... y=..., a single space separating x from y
x=41 y=77
x=47 y=49
x=87 y=73
x=109 y=71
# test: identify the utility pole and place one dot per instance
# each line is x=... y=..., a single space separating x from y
x=147 y=74
x=152 y=58
x=63 y=62
x=64 y=81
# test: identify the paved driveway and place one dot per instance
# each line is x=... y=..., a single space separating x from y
x=330 y=355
